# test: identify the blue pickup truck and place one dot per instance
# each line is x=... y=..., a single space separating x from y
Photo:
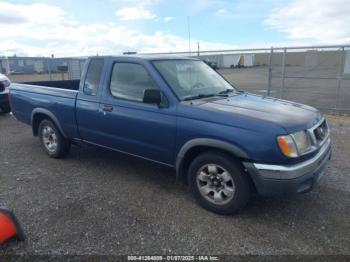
x=224 y=143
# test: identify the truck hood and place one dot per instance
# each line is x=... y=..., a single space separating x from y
x=288 y=115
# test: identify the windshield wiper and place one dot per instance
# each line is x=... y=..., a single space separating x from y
x=199 y=96
x=229 y=90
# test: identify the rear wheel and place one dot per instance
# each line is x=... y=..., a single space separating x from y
x=51 y=138
x=219 y=183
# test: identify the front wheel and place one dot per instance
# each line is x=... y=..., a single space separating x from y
x=55 y=145
x=219 y=183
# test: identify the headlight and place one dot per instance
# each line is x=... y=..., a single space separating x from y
x=295 y=144
x=6 y=83
x=302 y=142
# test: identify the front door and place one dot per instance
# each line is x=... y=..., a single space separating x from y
x=128 y=124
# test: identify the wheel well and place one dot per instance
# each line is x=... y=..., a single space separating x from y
x=192 y=153
x=37 y=118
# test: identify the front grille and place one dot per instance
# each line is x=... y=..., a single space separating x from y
x=321 y=132
x=2 y=87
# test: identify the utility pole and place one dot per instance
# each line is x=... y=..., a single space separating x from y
x=189 y=34
x=198 y=50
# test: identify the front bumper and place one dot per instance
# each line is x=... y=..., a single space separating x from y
x=4 y=101
x=282 y=179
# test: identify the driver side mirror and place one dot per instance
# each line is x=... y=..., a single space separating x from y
x=152 y=96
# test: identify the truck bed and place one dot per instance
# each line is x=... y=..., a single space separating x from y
x=44 y=90
x=63 y=84
x=56 y=97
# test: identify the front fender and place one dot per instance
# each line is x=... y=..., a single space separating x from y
x=207 y=142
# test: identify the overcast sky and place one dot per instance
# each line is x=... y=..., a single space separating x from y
x=88 y=27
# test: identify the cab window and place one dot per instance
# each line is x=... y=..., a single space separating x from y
x=129 y=81
x=93 y=77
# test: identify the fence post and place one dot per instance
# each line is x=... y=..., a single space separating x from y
x=49 y=68
x=340 y=75
x=270 y=73
x=69 y=73
x=80 y=69
x=8 y=69
x=283 y=71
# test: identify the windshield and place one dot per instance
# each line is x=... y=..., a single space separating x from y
x=191 y=79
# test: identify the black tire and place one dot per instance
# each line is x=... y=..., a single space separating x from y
x=62 y=145
x=5 y=109
x=239 y=180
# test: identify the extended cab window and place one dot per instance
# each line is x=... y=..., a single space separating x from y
x=93 y=77
x=129 y=81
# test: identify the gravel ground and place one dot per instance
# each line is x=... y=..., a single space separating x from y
x=103 y=203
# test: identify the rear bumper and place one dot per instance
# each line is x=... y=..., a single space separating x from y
x=276 y=179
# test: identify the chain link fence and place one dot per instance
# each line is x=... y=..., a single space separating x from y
x=318 y=76
x=313 y=75
x=28 y=69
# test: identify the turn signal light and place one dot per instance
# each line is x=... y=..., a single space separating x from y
x=287 y=146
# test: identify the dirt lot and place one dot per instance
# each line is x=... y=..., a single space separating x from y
x=103 y=203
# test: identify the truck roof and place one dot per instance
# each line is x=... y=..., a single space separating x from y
x=149 y=57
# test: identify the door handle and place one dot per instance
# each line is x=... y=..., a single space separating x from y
x=107 y=108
